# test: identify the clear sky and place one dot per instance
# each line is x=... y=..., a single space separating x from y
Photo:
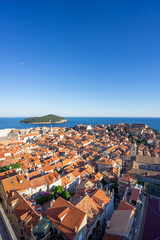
x=80 y=58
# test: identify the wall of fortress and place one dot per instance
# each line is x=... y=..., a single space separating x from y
x=5 y=132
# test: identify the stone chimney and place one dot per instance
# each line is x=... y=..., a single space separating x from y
x=27 y=175
x=75 y=229
x=31 y=228
x=52 y=203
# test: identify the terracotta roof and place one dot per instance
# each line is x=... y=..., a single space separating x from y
x=2 y=155
x=13 y=183
x=82 y=192
x=106 y=161
x=100 y=198
x=65 y=181
x=37 y=182
x=24 y=212
x=73 y=218
x=88 y=206
x=52 y=177
x=34 y=174
x=76 y=173
x=89 y=170
x=125 y=206
x=48 y=168
x=126 y=178
x=65 y=162
x=135 y=194
x=8 y=174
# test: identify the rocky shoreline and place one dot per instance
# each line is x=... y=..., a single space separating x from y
x=62 y=121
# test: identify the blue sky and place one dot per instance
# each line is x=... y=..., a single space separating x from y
x=80 y=58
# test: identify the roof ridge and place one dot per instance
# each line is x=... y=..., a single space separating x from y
x=28 y=204
x=71 y=204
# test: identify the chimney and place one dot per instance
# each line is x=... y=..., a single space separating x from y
x=27 y=176
x=31 y=227
x=75 y=229
x=103 y=206
x=52 y=203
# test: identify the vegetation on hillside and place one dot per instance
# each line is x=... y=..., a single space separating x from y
x=48 y=118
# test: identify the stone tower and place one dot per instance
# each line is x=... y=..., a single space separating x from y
x=129 y=163
x=133 y=151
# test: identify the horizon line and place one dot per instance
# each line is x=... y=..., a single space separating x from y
x=80 y=117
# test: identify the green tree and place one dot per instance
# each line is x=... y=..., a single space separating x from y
x=103 y=182
x=12 y=166
x=59 y=190
x=110 y=129
x=66 y=195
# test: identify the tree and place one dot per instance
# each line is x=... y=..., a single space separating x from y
x=66 y=195
x=110 y=129
x=59 y=191
x=126 y=129
x=103 y=182
x=12 y=166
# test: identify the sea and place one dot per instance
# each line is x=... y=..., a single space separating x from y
x=73 y=121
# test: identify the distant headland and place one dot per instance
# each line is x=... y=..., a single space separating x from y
x=48 y=119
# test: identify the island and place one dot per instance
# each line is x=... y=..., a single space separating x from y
x=48 y=119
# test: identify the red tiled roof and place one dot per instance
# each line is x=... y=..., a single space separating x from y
x=73 y=218
x=24 y=212
x=125 y=206
x=135 y=194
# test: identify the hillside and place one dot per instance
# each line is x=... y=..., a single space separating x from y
x=44 y=119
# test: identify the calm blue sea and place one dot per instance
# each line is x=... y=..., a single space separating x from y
x=73 y=121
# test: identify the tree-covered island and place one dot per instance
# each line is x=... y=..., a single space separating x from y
x=48 y=119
